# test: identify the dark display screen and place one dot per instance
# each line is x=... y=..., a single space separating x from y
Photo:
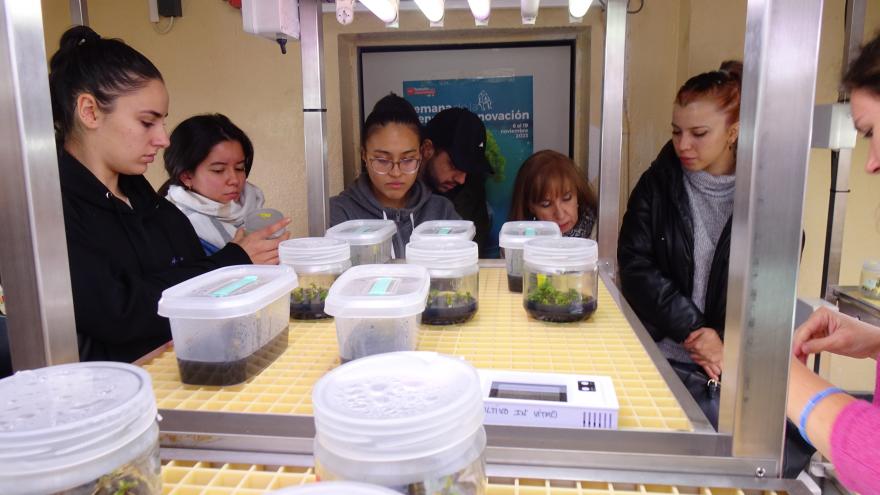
x=528 y=391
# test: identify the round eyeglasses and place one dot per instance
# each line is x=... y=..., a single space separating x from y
x=383 y=166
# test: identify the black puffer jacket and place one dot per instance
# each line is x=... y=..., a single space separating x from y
x=122 y=258
x=655 y=254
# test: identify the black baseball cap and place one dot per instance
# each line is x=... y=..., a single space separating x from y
x=459 y=132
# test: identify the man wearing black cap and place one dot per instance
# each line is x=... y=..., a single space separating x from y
x=455 y=166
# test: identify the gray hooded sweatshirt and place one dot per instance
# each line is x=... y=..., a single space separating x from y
x=358 y=202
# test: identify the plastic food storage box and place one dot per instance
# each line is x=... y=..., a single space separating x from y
x=512 y=237
x=560 y=279
x=370 y=240
x=438 y=230
x=79 y=428
x=230 y=323
x=410 y=421
x=377 y=308
x=453 y=265
x=318 y=262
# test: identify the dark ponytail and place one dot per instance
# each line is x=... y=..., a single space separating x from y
x=864 y=72
x=102 y=67
x=390 y=109
x=724 y=86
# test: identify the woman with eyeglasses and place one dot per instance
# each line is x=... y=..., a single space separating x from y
x=388 y=186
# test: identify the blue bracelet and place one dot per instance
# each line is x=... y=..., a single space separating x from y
x=811 y=404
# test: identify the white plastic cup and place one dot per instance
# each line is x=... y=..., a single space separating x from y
x=560 y=279
x=410 y=421
x=71 y=427
x=453 y=265
x=869 y=280
x=370 y=240
x=318 y=262
x=377 y=308
x=513 y=237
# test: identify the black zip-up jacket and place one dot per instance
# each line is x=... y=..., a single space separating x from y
x=655 y=256
x=122 y=258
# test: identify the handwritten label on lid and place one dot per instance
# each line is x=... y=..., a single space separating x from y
x=235 y=285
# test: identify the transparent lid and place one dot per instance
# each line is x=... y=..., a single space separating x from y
x=313 y=251
x=60 y=416
x=363 y=232
x=515 y=234
x=262 y=218
x=379 y=291
x=397 y=404
x=443 y=229
x=439 y=254
x=334 y=488
x=871 y=266
x=228 y=292
x=562 y=253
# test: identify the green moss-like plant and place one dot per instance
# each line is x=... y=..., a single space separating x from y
x=545 y=294
x=309 y=295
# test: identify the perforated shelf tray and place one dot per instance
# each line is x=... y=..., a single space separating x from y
x=201 y=478
x=500 y=336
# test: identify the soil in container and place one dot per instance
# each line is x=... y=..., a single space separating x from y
x=449 y=307
x=232 y=372
x=546 y=303
x=514 y=283
x=307 y=303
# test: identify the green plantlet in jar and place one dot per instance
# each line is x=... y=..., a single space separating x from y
x=309 y=295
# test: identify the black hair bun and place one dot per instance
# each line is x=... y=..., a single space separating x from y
x=77 y=36
x=732 y=67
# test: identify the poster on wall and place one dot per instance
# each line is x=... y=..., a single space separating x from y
x=504 y=104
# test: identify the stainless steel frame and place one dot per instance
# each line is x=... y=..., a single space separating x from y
x=33 y=264
x=79 y=12
x=612 y=132
x=779 y=85
x=314 y=115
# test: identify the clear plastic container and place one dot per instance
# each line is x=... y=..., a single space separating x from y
x=262 y=218
x=377 y=308
x=229 y=324
x=561 y=279
x=512 y=237
x=455 y=278
x=409 y=421
x=869 y=281
x=439 y=230
x=370 y=240
x=79 y=429
x=318 y=262
x=334 y=488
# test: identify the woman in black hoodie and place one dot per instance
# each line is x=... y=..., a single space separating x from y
x=388 y=187
x=125 y=243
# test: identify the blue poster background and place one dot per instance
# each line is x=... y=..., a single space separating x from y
x=504 y=104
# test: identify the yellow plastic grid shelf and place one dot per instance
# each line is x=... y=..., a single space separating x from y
x=500 y=336
x=203 y=478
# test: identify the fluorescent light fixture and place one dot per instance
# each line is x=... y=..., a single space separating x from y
x=385 y=10
x=577 y=8
x=481 y=10
x=529 y=10
x=433 y=9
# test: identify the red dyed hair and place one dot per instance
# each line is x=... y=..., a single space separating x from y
x=723 y=86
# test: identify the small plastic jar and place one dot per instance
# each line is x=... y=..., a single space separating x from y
x=334 y=488
x=512 y=237
x=229 y=324
x=869 y=281
x=370 y=240
x=409 y=421
x=318 y=262
x=377 y=308
x=561 y=279
x=83 y=428
x=439 y=230
x=455 y=279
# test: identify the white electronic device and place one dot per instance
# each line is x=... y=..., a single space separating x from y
x=550 y=400
x=273 y=19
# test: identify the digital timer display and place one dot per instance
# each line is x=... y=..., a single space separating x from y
x=528 y=391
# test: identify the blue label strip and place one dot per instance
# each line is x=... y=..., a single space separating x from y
x=380 y=286
x=233 y=286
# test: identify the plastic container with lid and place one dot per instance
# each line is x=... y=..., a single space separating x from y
x=334 y=488
x=410 y=421
x=230 y=323
x=318 y=262
x=82 y=428
x=453 y=265
x=512 y=237
x=438 y=230
x=560 y=279
x=869 y=282
x=262 y=218
x=377 y=308
x=370 y=240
